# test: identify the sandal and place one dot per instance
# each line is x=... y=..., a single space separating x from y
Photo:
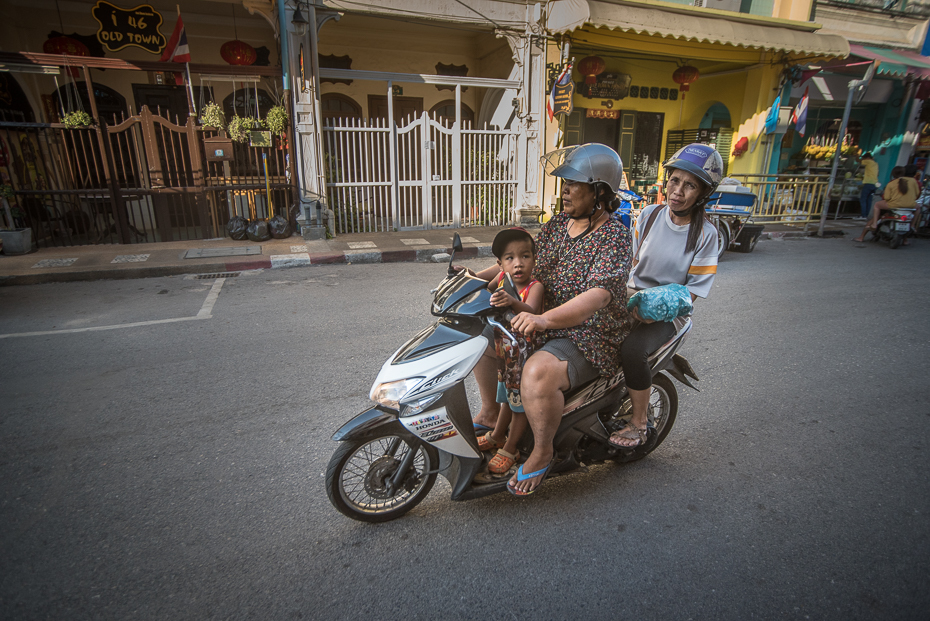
x=629 y=432
x=502 y=462
x=488 y=443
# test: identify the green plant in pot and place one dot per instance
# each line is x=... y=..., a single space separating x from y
x=276 y=119
x=212 y=116
x=12 y=239
x=76 y=119
x=240 y=126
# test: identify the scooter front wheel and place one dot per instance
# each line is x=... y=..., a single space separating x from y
x=362 y=479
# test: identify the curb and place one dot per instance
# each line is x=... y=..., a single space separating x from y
x=276 y=261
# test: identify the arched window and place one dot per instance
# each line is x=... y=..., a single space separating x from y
x=445 y=110
x=339 y=106
x=242 y=102
x=109 y=102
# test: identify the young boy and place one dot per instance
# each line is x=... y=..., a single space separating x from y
x=516 y=255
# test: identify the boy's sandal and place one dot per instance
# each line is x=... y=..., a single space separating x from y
x=630 y=432
x=488 y=443
x=502 y=462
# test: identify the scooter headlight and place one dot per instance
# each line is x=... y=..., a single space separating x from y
x=415 y=407
x=391 y=393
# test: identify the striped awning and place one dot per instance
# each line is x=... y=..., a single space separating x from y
x=895 y=63
x=714 y=26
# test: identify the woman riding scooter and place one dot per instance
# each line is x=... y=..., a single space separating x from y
x=673 y=243
x=583 y=260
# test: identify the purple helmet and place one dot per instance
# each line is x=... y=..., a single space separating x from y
x=701 y=160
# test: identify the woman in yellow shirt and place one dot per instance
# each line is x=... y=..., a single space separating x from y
x=901 y=193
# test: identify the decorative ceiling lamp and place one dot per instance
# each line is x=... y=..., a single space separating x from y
x=238 y=52
x=66 y=46
x=591 y=67
x=684 y=76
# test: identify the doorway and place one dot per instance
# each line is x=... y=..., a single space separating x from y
x=167 y=100
x=405 y=108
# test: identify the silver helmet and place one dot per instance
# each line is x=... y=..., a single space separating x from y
x=588 y=163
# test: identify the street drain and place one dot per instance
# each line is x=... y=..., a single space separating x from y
x=215 y=276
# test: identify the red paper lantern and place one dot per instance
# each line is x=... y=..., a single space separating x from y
x=238 y=53
x=741 y=146
x=591 y=67
x=66 y=46
x=685 y=76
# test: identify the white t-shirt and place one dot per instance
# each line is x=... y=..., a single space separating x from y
x=663 y=261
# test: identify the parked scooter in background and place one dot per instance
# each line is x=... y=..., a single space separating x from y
x=921 y=224
x=894 y=226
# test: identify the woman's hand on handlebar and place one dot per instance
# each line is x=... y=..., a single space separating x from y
x=528 y=323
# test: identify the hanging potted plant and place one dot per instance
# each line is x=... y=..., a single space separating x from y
x=276 y=122
x=76 y=119
x=12 y=240
x=212 y=116
x=240 y=126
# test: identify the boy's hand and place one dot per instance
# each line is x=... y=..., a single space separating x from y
x=501 y=299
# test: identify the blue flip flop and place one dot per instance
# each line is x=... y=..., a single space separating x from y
x=523 y=477
x=479 y=427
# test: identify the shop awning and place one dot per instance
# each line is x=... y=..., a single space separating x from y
x=715 y=26
x=895 y=63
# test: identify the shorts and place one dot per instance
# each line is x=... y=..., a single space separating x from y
x=510 y=397
x=580 y=369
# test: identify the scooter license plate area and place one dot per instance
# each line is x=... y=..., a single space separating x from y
x=437 y=429
x=902 y=226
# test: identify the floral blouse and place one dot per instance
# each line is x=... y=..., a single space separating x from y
x=567 y=268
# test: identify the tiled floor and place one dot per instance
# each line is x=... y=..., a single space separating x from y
x=131 y=258
x=55 y=263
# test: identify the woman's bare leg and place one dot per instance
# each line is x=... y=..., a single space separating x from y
x=544 y=379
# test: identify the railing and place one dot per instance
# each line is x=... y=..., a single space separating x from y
x=788 y=199
x=427 y=173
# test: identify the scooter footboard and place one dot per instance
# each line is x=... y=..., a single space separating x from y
x=371 y=423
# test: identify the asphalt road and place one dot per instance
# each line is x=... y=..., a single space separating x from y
x=172 y=469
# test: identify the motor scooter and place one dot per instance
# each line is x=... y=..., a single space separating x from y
x=893 y=226
x=389 y=455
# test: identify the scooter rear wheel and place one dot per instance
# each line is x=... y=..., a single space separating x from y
x=358 y=479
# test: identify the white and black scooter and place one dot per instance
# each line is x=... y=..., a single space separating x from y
x=389 y=455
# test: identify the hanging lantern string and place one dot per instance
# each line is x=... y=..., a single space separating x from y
x=235 y=28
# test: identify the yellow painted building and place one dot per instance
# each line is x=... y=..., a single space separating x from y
x=635 y=104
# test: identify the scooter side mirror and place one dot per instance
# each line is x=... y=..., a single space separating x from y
x=456 y=247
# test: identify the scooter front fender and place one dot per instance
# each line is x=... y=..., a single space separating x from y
x=369 y=423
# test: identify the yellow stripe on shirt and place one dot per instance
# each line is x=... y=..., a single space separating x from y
x=703 y=269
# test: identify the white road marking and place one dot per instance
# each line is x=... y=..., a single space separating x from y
x=205 y=313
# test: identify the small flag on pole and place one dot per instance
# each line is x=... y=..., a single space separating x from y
x=177 y=50
x=771 y=119
x=799 y=114
x=565 y=79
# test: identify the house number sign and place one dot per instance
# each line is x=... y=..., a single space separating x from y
x=121 y=28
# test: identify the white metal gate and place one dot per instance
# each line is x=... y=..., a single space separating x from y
x=426 y=174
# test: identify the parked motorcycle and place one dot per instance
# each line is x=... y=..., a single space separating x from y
x=921 y=225
x=893 y=226
x=390 y=454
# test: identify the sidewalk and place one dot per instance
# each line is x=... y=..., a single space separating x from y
x=115 y=261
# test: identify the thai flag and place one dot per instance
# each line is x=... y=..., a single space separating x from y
x=799 y=114
x=564 y=78
x=177 y=50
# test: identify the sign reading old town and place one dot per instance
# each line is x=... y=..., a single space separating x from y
x=121 y=28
